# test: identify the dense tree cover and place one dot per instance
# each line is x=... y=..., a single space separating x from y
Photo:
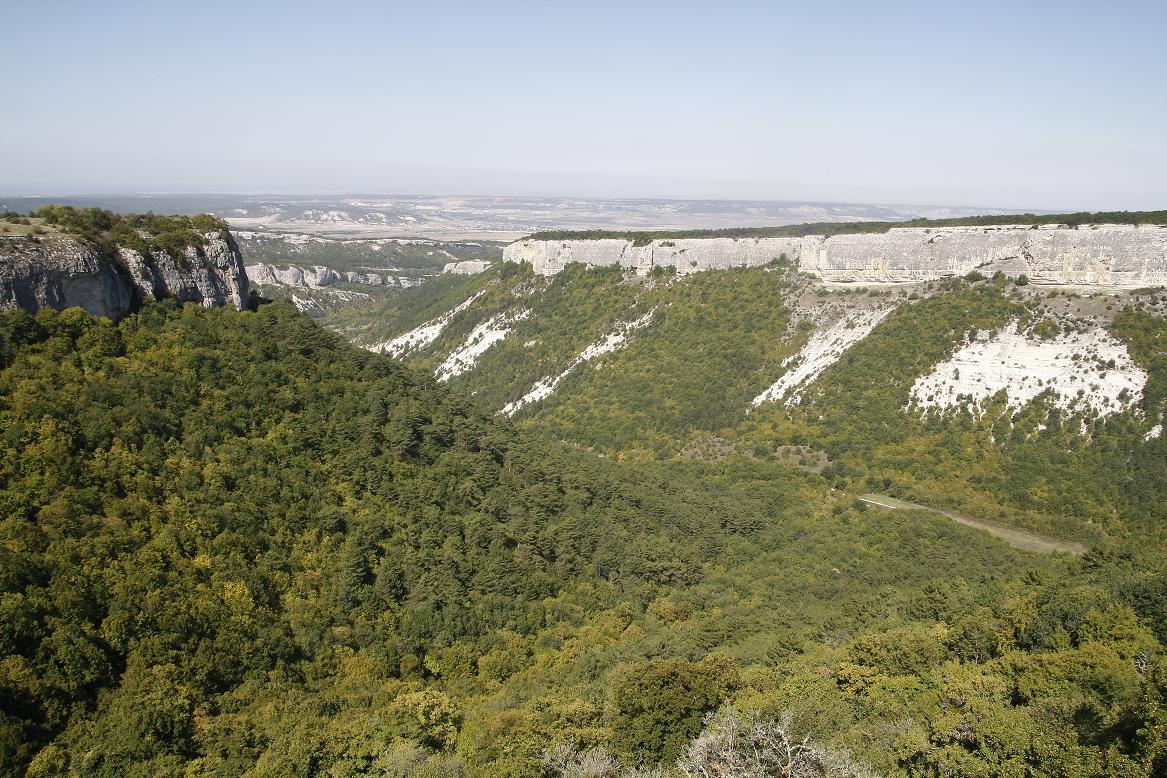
x=142 y=232
x=174 y=440
x=644 y=237
x=714 y=339
x=231 y=544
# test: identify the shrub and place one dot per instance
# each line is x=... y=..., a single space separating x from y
x=144 y=233
x=1046 y=329
x=737 y=746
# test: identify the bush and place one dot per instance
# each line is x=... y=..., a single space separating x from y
x=144 y=233
x=405 y=759
x=1046 y=329
x=736 y=746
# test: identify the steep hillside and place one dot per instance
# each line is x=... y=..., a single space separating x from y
x=233 y=545
x=1018 y=403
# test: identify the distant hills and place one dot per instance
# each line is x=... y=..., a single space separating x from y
x=490 y=217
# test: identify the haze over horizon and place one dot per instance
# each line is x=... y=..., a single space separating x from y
x=1037 y=107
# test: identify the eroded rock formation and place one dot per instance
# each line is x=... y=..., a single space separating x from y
x=63 y=272
x=319 y=277
x=466 y=267
x=1115 y=255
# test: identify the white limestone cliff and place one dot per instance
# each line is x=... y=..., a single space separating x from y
x=60 y=273
x=63 y=272
x=466 y=267
x=319 y=277
x=210 y=275
x=1109 y=255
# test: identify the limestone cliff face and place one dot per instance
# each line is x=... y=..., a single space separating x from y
x=1117 y=255
x=1121 y=256
x=466 y=267
x=318 y=277
x=63 y=272
x=60 y=273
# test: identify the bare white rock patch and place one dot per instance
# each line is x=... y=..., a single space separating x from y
x=481 y=338
x=424 y=335
x=306 y=304
x=1083 y=371
x=822 y=349
x=613 y=341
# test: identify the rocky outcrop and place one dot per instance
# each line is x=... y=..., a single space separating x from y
x=60 y=273
x=1121 y=256
x=467 y=267
x=63 y=272
x=210 y=275
x=1116 y=255
x=319 y=277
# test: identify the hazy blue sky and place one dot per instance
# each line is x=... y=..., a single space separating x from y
x=1014 y=104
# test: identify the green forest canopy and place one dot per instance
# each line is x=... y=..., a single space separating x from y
x=231 y=543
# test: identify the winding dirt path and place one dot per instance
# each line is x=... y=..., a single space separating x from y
x=1018 y=538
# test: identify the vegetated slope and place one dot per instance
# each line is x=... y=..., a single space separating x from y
x=1066 y=456
x=196 y=500
x=685 y=355
x=1031 y=406
x=232 y=544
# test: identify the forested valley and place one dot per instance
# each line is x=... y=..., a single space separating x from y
x=232 y=544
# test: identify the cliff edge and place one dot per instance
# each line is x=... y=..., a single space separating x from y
x=108 y=276
x=1113 y=255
